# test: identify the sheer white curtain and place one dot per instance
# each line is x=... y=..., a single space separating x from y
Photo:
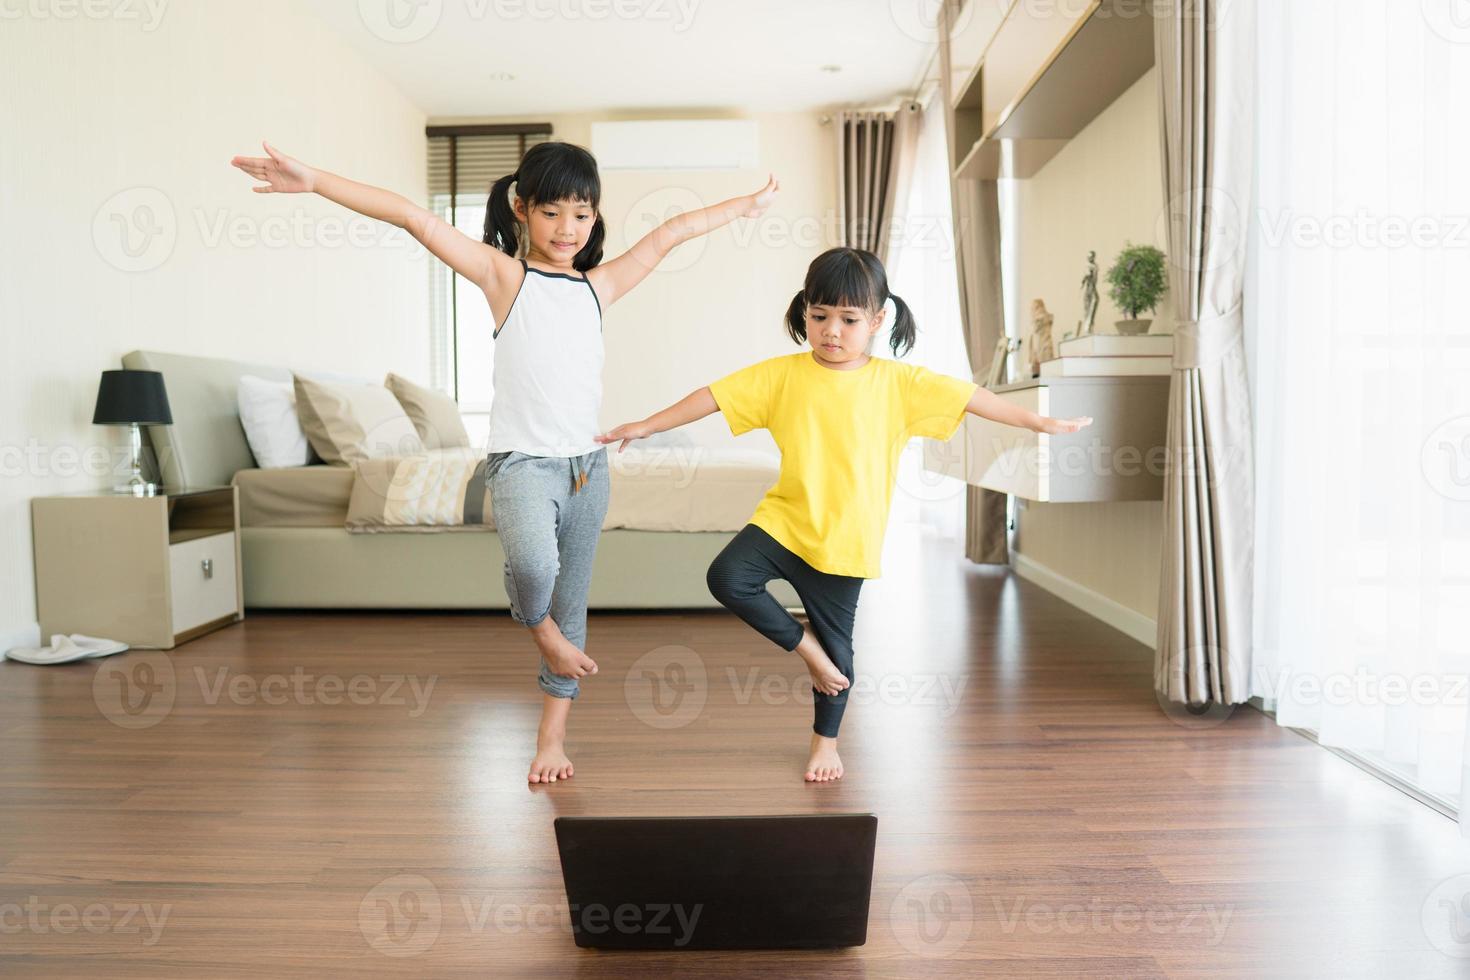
x=1358 y=329
x=922 y=271
x=922 y=268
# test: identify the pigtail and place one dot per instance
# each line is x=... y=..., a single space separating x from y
x=796 y=318
x=500 y=218
x=591 y=253
x=904 y=330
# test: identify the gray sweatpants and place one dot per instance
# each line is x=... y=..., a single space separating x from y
x=549 y=530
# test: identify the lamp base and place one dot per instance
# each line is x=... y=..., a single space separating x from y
x=136 y=485
x=137 y=488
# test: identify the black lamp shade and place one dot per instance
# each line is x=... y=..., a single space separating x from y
x=125 y=397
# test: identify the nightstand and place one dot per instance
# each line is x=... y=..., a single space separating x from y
x=152 y=571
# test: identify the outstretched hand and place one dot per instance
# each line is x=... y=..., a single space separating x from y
x=282 y=174
x=758 y=202
x=1057 y=427
x=627 y=432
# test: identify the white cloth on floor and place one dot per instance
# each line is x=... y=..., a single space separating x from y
x=66 y=648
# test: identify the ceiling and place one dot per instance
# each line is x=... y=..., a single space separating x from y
x=514 y=57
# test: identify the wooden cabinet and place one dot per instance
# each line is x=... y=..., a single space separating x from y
x=153 y=572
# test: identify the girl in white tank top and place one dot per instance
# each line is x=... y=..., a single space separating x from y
x=548 y=373
x=548 y=394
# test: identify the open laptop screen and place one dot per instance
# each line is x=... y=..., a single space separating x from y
x=763 y=882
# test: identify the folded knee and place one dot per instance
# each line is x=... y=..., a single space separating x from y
x=716 y=580
x=729 y=589
x=533 y=582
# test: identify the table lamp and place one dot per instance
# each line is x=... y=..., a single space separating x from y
x=133 y=398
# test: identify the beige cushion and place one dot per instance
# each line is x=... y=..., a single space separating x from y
x=348 y=422
x=434 y=414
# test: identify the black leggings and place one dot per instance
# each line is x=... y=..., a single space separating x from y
x=738 y=576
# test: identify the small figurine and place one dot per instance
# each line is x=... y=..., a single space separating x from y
x=1040 y=346
x=1089 y=297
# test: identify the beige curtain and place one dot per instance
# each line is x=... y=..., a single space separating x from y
x=1206 y=84
x=977 y=259
x=875 y=163
x=977 y=251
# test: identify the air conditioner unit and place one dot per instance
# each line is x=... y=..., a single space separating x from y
x=676 y=144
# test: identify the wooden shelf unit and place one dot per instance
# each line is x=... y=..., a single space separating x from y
x=1118 y=457
x=1046 y=73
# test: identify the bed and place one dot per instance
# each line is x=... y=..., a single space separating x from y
x=297 y=554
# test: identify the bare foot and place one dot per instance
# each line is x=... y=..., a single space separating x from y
x=825 y=675
x=551 y=763
x=825 y=764
x=562 y=656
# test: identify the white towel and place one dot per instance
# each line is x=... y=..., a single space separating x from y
x=65 y=649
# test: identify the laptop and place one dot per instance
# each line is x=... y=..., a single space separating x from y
x=777 y=882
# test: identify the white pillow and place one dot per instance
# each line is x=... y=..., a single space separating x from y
x=272 y=427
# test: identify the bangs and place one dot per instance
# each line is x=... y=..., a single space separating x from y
x=841 y=278
x=570 y=174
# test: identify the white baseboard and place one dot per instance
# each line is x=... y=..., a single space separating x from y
x=1110 y=611
x=25 y=636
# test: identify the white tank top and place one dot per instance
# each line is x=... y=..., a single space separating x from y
x=548 y=368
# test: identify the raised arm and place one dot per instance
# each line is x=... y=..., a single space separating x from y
x=484 y=265
x=692 y=407
x=988 y=405
x=613 y=279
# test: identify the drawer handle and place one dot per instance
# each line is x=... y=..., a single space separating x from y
x=208 y=565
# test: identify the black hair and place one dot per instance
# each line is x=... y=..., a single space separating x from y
x=851 y=277
x=551 y=171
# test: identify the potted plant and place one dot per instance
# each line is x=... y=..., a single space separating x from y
x=1135 y=283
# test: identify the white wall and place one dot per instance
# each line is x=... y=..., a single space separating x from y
x=133 y=117
x=718 y=303
x=1104 y=189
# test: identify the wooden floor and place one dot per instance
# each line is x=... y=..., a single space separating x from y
x=278 y=799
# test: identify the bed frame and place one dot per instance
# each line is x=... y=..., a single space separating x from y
x=328 y=567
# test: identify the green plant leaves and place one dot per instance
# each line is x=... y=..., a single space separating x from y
x=1136 y=280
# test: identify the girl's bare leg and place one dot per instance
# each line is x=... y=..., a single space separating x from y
x=825 y=764
x=551 y=762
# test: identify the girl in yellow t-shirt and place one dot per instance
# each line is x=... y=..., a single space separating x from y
x=841 y=419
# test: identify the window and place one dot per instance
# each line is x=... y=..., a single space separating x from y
x=1361 y=375
x=464 y=161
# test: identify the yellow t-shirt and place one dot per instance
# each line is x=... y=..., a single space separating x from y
x=840 y=434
